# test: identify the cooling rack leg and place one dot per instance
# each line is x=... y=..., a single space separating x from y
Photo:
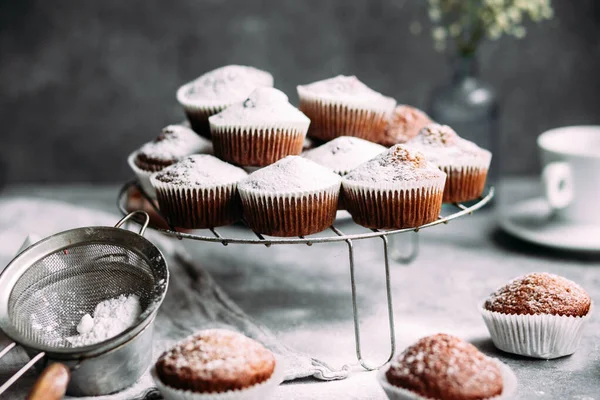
x=392 y=335
x=405 y=248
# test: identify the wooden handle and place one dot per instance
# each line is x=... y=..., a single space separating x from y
x=52 y=383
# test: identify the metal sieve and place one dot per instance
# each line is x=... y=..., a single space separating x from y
x=47 y=288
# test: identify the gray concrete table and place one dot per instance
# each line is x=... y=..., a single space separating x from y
x=303 y=294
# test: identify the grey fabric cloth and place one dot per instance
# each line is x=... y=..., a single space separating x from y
x=194 y=301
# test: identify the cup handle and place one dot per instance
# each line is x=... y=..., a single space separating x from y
x=558 y=184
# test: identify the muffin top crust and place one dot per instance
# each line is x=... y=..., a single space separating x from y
x=200 y=170
x=215 y=360
x=344 y=153
x=447 y=368
x=173 y=143
x=265 y=106
x=540 y=293
x=404 y=123
x=291 y=174
x=222 y=86
x=443 y=147
x=398 y=164
x=347 y=90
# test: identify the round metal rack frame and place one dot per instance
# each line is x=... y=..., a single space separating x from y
x=337 y=236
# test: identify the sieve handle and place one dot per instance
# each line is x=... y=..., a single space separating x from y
x=131 y=214
x=52 y=383
x=20 y=372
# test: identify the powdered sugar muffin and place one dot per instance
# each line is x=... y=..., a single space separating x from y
x=538 y=315
x=260 y=130
x=199 y=191
x=404 y=123
x=173 y=143
x=293 y=197
x=397 y=189
x=344 y=153
x=218 y=89
x=445 y=367
x=465 y=164
x=344 y=106
x=216 y=361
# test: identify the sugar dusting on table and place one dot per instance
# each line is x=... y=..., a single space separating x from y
x=111 y=317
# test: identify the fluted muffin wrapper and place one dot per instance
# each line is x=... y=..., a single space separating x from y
x=394 y=205
x=198 y=113
x=258 y=146
x=290 y=214
x=509 y=383
x=143 y=176
x=198 y=207
x=464 y=183
x=262 y=390
x=542 y=336
x=331 y=119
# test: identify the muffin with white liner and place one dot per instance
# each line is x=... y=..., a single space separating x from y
x=344 y=153
x=445 y=367
x=397 y=189
x=217 y=364
x=538 y=315
x=465 y=164
x=257 y=132
x=344 y=106
x=216 y=90
x=198 y=192
x=293 y=197
x=172 y=144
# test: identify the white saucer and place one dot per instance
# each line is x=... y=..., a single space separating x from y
x=532 y=220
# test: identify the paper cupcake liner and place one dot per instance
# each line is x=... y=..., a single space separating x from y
x=259 y=391
x=464 y=184
x=142 y=176
x=290 y=214
x=198 y=208
x=404 y=205
x=509 y=383
x=197 y=114
x=539 y=336
x=257 y=146
x=331 y=120
x=198 y=117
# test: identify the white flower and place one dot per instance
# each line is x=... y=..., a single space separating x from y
x=519 y=32
x=439 y=34
x=415 y=27
x=455 y=29
x=435 y=14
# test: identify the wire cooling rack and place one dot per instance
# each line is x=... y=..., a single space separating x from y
x=333 y=234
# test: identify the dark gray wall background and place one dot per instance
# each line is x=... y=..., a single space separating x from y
x=84 y=83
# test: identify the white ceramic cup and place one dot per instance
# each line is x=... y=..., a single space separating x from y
x=571 y=172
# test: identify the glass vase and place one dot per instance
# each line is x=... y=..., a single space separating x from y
x=470 y=106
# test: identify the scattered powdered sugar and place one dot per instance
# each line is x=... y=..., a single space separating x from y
x=200 y=170
x=540 y=293
x=214 y=352
x=443 y=360
x=442 y=146
x=344 y=153
x=346 y=88
x=111 y=317
x=397 y=164
x=174 y=142
x=290 y=174
x=228 y=84
x=264 y=105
